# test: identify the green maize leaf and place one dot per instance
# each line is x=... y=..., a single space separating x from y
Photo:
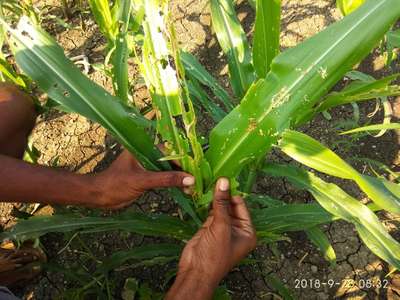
x=360 y=76
x=364 y=88
x=310 y=152
x=146 y=252
x=146 y=293
x=44 y=61
x=280 y=217
x=196 y=70
x=114 y=24
x=119 y=61
x=130 y=289
x=313 y=154
x=348 y=6
x=104 y=18
x=169 y=91
x=121 y=53
x=7 y=72
x=318 y=237
x=375 y=245
x=138 y=16
x=392 y=42
x=13 y=6
x=361 y=91
x=221 y=293
x=279 y=287
x=387 y=189
x=2 y=36
x=394 y=38
x=266 y=35
x=356 y=112
x=264 y=201
x=290 y=217
x=121 y=13
x=234 y=44
x=389 y=126
x=171 y=157
x=186 y=204
x=155 y=261
x=151 y=225
x=381 y=166
x=266 y=237
x=18 y=8
x=204 y=101
x=320 y=240
x=342 y=205
x=253 y=3
x=199 y=166
x=387 y=117
x=299 y=77
x=162 y=81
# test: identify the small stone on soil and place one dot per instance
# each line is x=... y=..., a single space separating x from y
x=314 y=269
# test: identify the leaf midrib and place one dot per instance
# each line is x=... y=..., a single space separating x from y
x=67 y=82
x=235 y=55
x=245 y=135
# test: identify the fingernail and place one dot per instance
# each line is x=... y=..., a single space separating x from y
x=188 y=181
x=223 y=184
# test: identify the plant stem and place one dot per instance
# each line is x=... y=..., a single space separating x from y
x=252 y=176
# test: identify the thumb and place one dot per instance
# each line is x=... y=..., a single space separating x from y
x=222 y=197
x=168 y=179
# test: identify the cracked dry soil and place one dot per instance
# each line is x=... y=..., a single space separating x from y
x=74 y=143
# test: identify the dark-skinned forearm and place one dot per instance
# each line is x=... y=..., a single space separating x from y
x=23 y=182
x=191 y=286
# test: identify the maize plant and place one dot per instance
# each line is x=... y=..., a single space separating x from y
x=273 y=94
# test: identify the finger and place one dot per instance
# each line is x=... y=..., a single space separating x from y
x=25 y=258
x=239 y=208
x=168 y=179
x=222 y=198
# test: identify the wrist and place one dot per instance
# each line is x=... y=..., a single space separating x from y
x=206 y=280
x=194 y=285
x=98 y=187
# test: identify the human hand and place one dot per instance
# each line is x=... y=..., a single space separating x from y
x=226 y=237
x=126 y=180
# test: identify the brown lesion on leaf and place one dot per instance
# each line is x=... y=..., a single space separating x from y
x=252 y=125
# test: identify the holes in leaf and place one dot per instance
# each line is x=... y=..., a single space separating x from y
x=179 y=122
x=26 y=34
x=171 y=61
x=66 y=94
x=164 y=63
